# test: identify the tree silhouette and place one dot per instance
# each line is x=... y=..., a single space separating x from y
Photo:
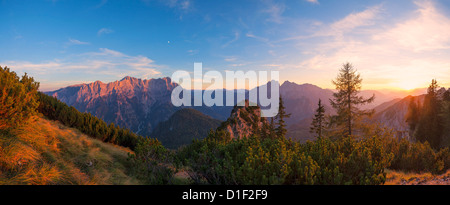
x=318 y=123
x=430 y=124
x=281 y=124
x=346 y=99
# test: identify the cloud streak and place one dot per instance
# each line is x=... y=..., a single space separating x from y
x=104 y=31
x=104 y=64
x=76 y=42
x=313 y=1
x=275 y=12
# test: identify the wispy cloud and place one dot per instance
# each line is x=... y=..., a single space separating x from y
x=349 y=24
x=102 y=64
x=104 y=31
x=251 y=35
x=267 y=41
x=416 y=47
x=230 y=59
x=428 y=30
x=192 y=52
x=313 y=1
x=184 y=5
x=76 y=42
x=275 y=12
x=99 y=5
x=236 y=35
x=352 y=23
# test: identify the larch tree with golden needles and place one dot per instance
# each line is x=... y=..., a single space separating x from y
x=17 y=98
x=346 y=100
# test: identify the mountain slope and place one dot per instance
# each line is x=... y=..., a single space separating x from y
x=136 y=104
x=47 y=152
x=392 y=115
x=386 y=105
x=184 y=126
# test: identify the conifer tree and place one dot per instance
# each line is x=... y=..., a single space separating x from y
x=445 y=116
x=346 y=99
x=446 y=96
x=281 y=123
x=318 y=123
x=412 y=116
x=430 y=124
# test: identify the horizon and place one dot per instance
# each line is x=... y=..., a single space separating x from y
x=395 y=46
x=417 y=91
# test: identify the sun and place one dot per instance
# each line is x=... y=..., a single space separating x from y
x=408 y=85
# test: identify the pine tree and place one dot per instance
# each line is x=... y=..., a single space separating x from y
x=429 y=128
x=445 y=116
x=446 y=96
x=412 y=116
x=346 y=99
x=281 y=124
x=318 y=123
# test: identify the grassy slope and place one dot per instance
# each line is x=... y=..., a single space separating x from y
x=47 y=152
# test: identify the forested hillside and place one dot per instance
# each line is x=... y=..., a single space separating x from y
x=184 y=126
x=85 y=122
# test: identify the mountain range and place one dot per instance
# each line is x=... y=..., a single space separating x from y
x=142 y=104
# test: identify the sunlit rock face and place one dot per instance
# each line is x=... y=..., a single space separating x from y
x=136 y=104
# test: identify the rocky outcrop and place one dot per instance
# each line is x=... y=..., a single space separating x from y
x=245 y=121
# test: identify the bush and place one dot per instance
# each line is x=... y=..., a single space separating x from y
x=151 y=161
x=257 y=161
x=17 y=98
x=418 y=157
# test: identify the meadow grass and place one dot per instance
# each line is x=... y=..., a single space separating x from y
x=46 y=152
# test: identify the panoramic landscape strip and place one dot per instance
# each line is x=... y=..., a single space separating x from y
x=224 y=100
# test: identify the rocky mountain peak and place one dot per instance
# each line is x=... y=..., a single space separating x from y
x=138 y=104
x=244 y=121
x=128 y=78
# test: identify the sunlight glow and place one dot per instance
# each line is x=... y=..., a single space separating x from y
x=409 y=84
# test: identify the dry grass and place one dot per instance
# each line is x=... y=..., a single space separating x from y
x=47 y=152
x=402 y=178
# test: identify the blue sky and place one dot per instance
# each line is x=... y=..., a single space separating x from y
x=399 y=44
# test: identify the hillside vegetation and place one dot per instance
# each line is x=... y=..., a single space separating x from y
x=47 y=152
x=184 y=126
x=34 y=150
